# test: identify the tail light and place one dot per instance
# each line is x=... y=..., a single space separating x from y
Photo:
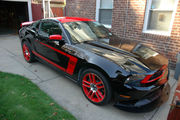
x=160 y=75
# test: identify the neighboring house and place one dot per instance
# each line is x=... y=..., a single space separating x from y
x=13 y=12
x=153 y=22
x=51 y=8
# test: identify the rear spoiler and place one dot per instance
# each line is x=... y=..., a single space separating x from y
x=26 y=23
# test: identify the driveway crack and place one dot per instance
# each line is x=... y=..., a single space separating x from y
x=42 y=81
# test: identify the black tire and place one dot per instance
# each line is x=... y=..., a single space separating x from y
x=31 y=56
x=105 y=87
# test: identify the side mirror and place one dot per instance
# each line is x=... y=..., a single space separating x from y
x=55 y=37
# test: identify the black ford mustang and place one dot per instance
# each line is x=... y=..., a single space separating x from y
x=105 y=66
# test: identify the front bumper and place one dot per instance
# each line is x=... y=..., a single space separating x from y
x=151 y=100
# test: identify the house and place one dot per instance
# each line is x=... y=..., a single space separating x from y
x=51 y=8
x=13 y=12
x=155 y=23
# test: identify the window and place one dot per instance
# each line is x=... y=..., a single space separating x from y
x=36 y=25
x=159 y=16
x=81 y=31
x=104 y=12
x=50 y=28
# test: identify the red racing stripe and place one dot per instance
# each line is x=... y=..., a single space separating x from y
x=71 y=63
x=48 y=61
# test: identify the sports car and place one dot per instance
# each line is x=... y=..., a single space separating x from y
x=106 y=67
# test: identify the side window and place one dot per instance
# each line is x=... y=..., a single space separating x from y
x=50 y=28
x=36 y=25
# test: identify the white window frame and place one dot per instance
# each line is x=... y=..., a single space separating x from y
x=146 y=19
x=98 y=4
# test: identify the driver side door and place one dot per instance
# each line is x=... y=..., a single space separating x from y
x=49 y=50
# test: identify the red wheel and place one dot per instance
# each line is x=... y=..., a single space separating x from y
x=95 y=87
x=27 y=53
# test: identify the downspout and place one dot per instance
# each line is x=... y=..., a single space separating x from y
x=125 y=19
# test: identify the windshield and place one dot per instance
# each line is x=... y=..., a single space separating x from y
x=81 y=31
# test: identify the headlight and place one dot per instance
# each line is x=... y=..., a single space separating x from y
x=135 y=79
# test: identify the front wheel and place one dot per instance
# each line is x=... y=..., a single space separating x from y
x=95 y=87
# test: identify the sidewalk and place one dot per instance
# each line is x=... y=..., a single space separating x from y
x=64 y=91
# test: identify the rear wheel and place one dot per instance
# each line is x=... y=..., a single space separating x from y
x=95 y=87
x=27 y=53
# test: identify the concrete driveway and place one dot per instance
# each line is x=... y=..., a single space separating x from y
x=65 y=92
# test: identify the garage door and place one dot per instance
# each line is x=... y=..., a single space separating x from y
x=11 y=16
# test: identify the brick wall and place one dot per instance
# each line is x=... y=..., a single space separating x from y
x=128 y=24
x=81 y=8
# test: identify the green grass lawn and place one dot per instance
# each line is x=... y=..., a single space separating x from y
x=20 y=99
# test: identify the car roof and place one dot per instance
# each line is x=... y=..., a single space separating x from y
x=71 y=19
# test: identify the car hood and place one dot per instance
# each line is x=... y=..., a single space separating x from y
x=133 y=57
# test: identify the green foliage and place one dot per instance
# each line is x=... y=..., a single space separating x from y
x=20 y=99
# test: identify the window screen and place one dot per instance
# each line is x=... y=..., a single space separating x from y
x=160 y=15
x=105 y=16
